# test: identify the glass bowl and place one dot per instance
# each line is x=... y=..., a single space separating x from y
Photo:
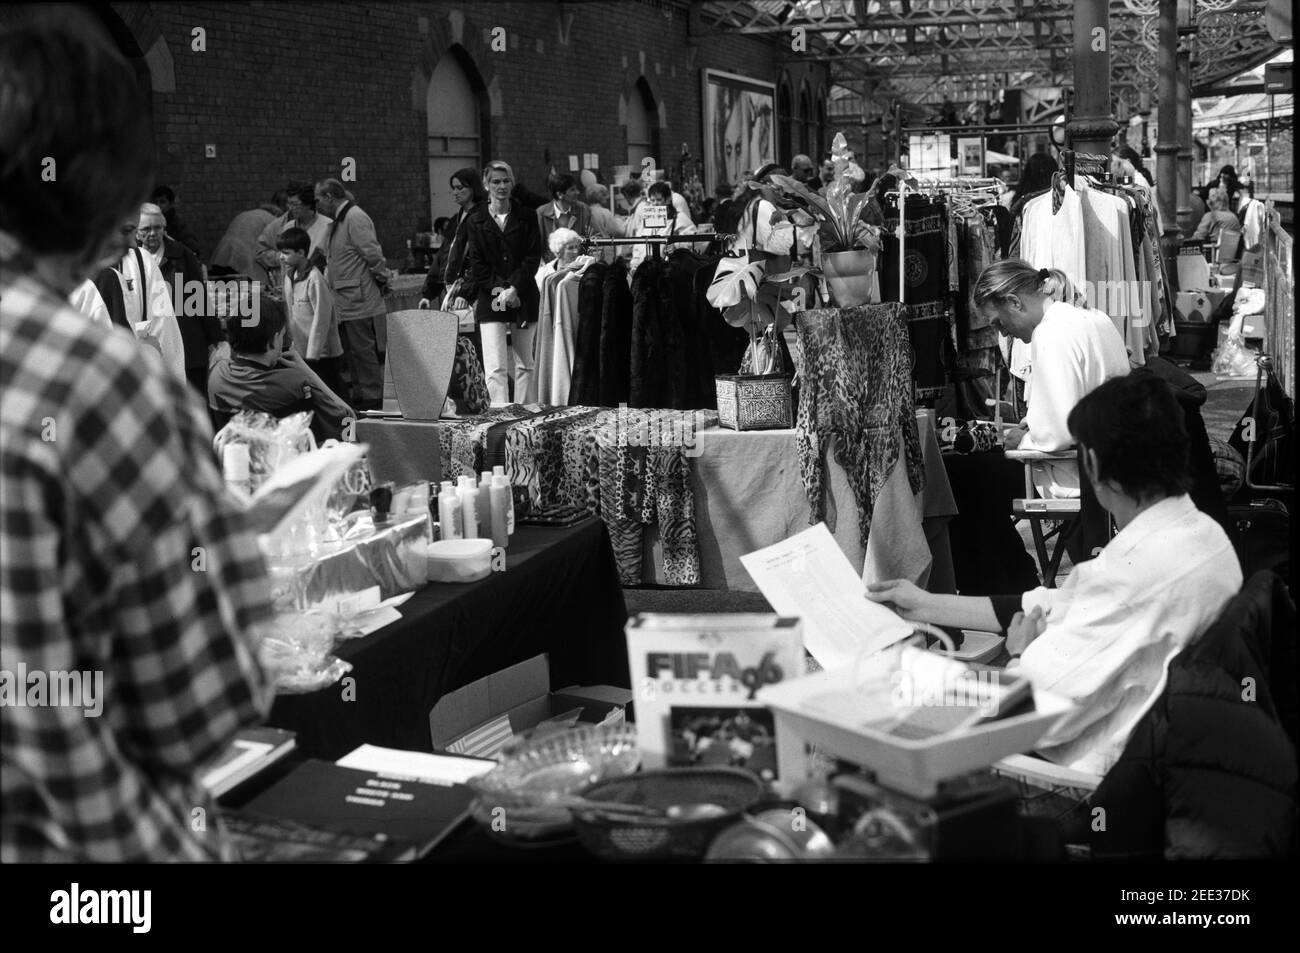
x=557 y=766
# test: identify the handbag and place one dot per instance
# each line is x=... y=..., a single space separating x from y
x=464 y=316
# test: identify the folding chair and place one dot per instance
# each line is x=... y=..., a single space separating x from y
x=1038 y=510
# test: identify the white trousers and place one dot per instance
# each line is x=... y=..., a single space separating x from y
x=497 y=356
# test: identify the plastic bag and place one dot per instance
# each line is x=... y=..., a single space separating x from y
x=270 y=442
x=1234 y=358
x=297 y=653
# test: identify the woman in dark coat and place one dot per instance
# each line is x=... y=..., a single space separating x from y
x=448 y=264
x=504 y=249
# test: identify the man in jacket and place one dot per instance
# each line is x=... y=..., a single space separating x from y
x=182 y=274
x=358 y=277
x=563 y=211
x=504 y=251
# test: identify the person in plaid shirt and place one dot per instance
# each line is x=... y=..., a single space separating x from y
x=121 y=557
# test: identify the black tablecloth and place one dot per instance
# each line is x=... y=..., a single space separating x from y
x=559 y=595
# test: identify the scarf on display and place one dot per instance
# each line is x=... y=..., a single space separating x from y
x=461 y=442
x=857 y=391
x=645 y=478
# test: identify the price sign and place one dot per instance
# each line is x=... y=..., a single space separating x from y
x=656 y=216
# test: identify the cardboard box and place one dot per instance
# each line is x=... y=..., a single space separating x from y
x=480 y=718
x=1197 y=307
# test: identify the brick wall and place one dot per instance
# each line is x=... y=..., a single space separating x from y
x=287 y=90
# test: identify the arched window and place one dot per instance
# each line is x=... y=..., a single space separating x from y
x=806 y=142
x=642 y=126
x=823 y=133
x=457 y=124
x=786 y=125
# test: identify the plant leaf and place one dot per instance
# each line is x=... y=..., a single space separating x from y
x=735 y=280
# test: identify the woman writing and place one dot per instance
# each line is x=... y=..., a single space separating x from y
x=1104 y=639
x=1072 y=351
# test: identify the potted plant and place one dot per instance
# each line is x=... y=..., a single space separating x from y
x=847 y=246
x=750 y=297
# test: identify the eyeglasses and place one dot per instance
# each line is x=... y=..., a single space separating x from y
x=150 y=228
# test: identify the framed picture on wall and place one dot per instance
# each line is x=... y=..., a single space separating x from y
x=971 y=151
x=739 y=126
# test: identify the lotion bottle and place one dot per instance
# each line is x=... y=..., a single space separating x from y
x=500 y=471
x=500 y=503
x=449 y=523
x=469 y=508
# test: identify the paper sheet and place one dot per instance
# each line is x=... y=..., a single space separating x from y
x=808 y=576
x=438 y=769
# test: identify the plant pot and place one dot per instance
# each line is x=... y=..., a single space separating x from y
x=754 y=401
x=850 y=276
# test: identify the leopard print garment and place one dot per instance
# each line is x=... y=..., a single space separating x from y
x=645 y=477
x=468 y=386
x=460 y=442
x=857 y=388
x=535 y=458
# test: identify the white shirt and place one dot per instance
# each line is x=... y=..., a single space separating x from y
x=1073 y=351
x=87 y=300
x=154 y=319
x=1119 y=619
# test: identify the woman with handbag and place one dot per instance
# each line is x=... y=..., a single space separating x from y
x=448 y=264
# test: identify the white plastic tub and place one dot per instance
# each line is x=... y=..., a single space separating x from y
x=460 y=560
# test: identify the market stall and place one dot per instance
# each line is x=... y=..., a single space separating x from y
x=559 y=595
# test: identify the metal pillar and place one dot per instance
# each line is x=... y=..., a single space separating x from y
x=1185 y=147
x=1092 y=127
x=1167 y=146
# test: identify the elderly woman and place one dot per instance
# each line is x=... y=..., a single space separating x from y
x=557 y=321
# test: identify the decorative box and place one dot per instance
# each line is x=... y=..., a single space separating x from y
x=754 y=401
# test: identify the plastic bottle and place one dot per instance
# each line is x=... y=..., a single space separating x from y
x=449 y=524
x=500 y=504
x=484 y=486
x=235 y=469
x=510 y=499
x=469 y=508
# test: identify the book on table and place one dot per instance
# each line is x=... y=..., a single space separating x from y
x=253 y=751
x=325 y=796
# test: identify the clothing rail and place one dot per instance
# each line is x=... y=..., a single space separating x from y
x=957 y=184
x=658 y=241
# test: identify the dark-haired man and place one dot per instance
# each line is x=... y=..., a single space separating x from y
x=1105 y=638
x=565 y=210
x=123 y=565
x=256 y=372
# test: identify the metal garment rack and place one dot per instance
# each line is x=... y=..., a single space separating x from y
x=931 y=185
x=656 y=242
